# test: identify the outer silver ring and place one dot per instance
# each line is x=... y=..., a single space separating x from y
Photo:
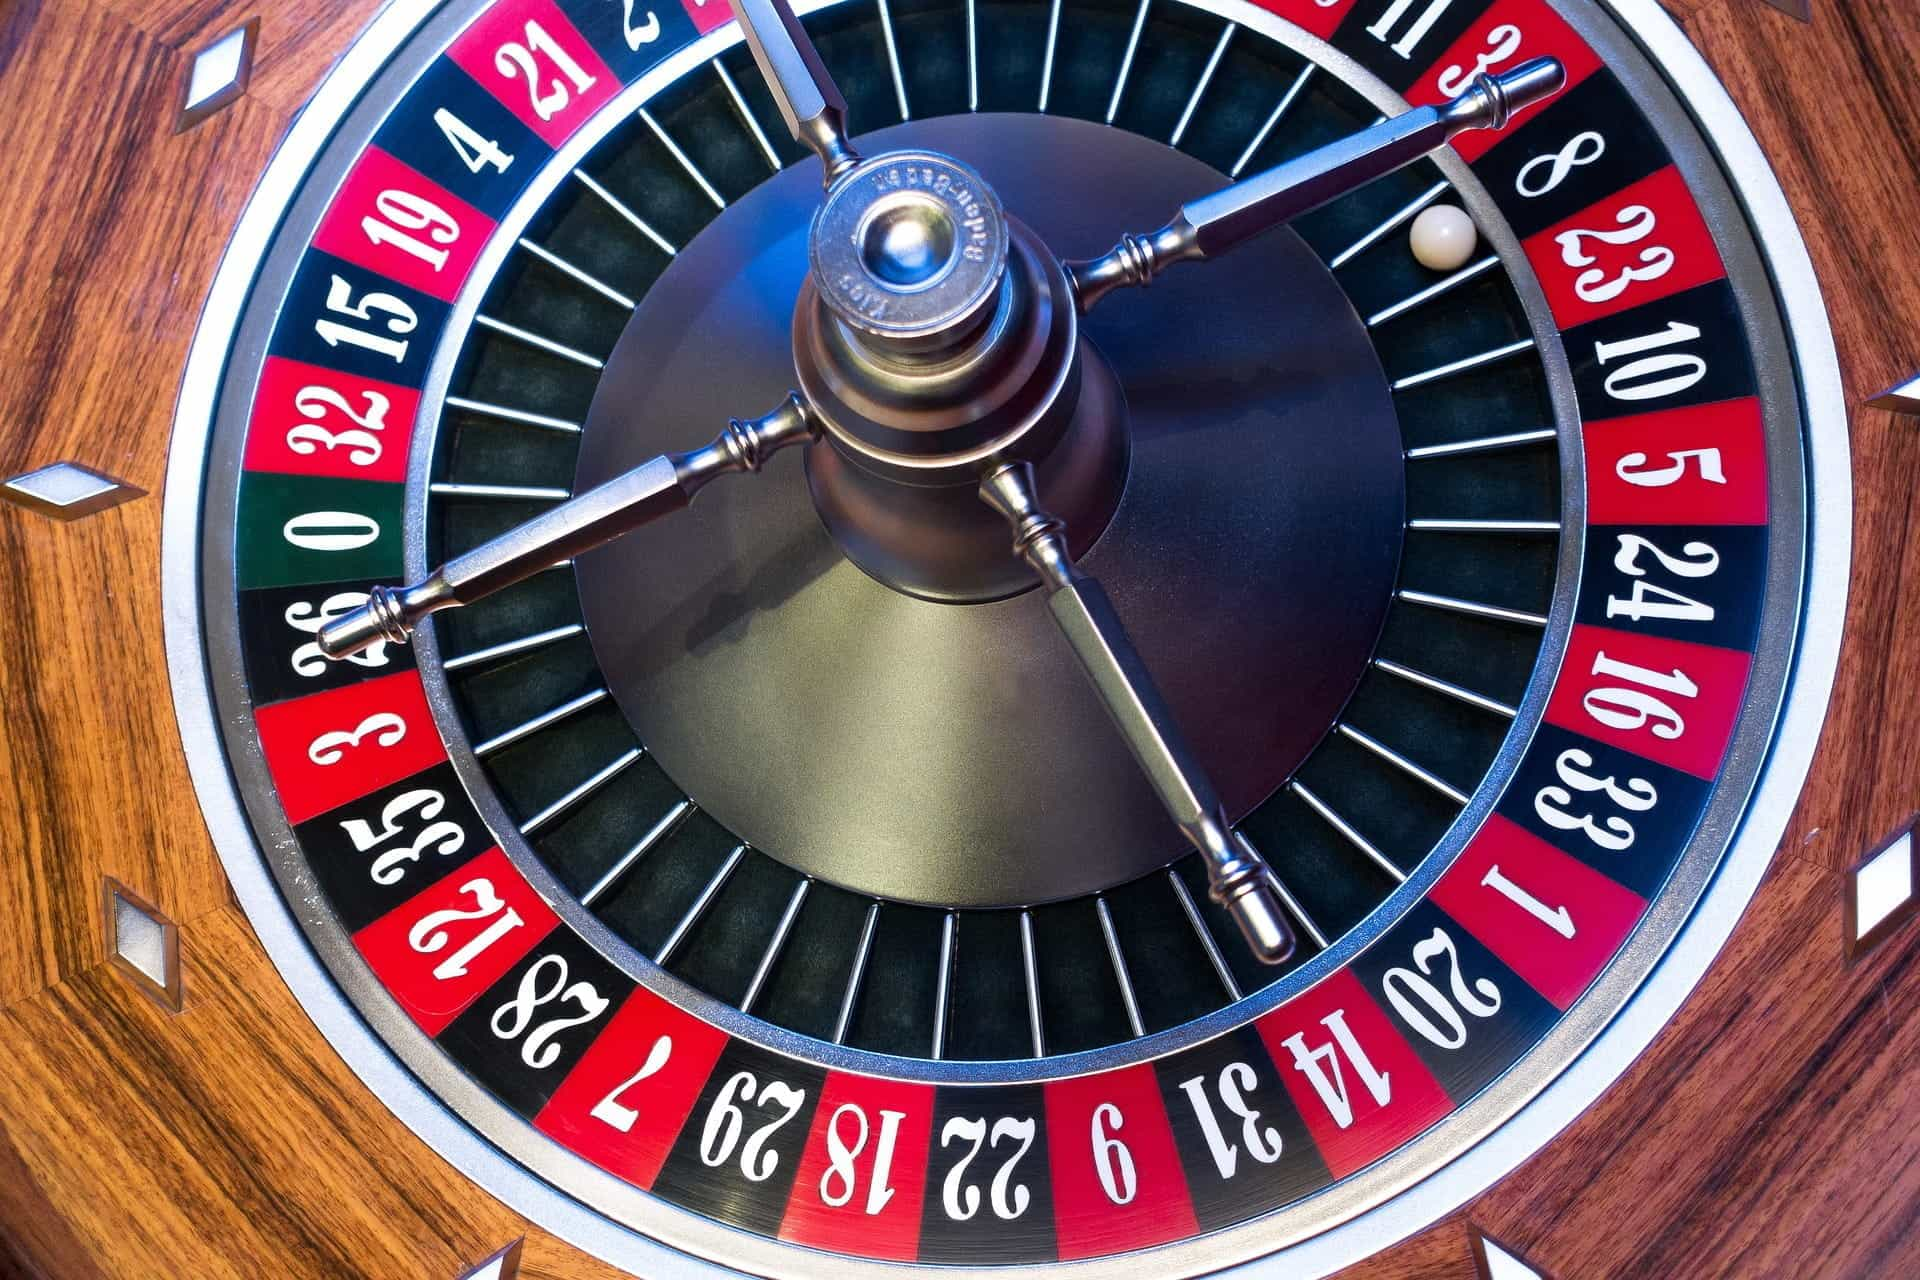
x=1427 y=1194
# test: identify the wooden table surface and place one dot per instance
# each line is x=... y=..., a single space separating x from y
x=1770 y=1131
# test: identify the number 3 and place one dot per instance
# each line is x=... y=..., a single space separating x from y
x=385 y=728
x=1502 y=43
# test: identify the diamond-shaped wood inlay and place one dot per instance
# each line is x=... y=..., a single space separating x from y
x=67 y=491
x=1903 y=398
x=217 y=75
x=1880 y=894
x=142 y=943
x=504 y=1265
x=1494 y=1261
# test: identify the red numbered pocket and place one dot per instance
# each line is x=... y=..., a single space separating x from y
x=529 y=56
x=1357 y=1083
x=1668 y=700
x=394 y=222
x=1117 y=1178
x=1511 y=32
x=438 y=951
x=1701 y=465
x=328 y=748
x=309 y=421
x=623 y=1105
x=1550 y=917
x=1642 y=244
x=862 y=1180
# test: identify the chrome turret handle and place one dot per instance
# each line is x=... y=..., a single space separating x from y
x=1213 y=224
x=808 y=99
x=653 y=489
x=1237 y=878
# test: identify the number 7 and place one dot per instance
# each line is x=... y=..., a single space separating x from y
x=610 y=1109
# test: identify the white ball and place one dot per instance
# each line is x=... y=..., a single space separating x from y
x=1444 y=237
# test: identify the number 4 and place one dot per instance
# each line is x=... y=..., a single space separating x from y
x=475 y=152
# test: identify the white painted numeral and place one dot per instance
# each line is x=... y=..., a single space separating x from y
x=1321 y=1066
x=1630 y=709
x=422 y=805
x=1008 y=1199
x=1558 y=919
x=1648 y=600
x=1615 y=833
x=307 y=660
x=1404 y=46
x=1479 y=999
x=384 y=727
x=1111 y=1159
x=331 y=531
x=726 y=1122
x=517 y=61
x=1703 y=561
x=1633 y=468
x=841 y=1180
x=1652 y=376
x=610 y=1110
x=1502 y=43
x=404 y=218
x=1637 y=222
x=646 y=33
x=399 y=318
x=429 y=933
x=511 y=1020
x=1582 y=149
x=363 y=446
x=475 y=152
x=1262 y=1142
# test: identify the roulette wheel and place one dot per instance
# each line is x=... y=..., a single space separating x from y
x=725 y=663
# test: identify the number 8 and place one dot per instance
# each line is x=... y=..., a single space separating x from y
x=1560 y=164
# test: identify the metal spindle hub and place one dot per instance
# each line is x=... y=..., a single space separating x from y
x=933 y=335
x=908 y=244
x=909 y=251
